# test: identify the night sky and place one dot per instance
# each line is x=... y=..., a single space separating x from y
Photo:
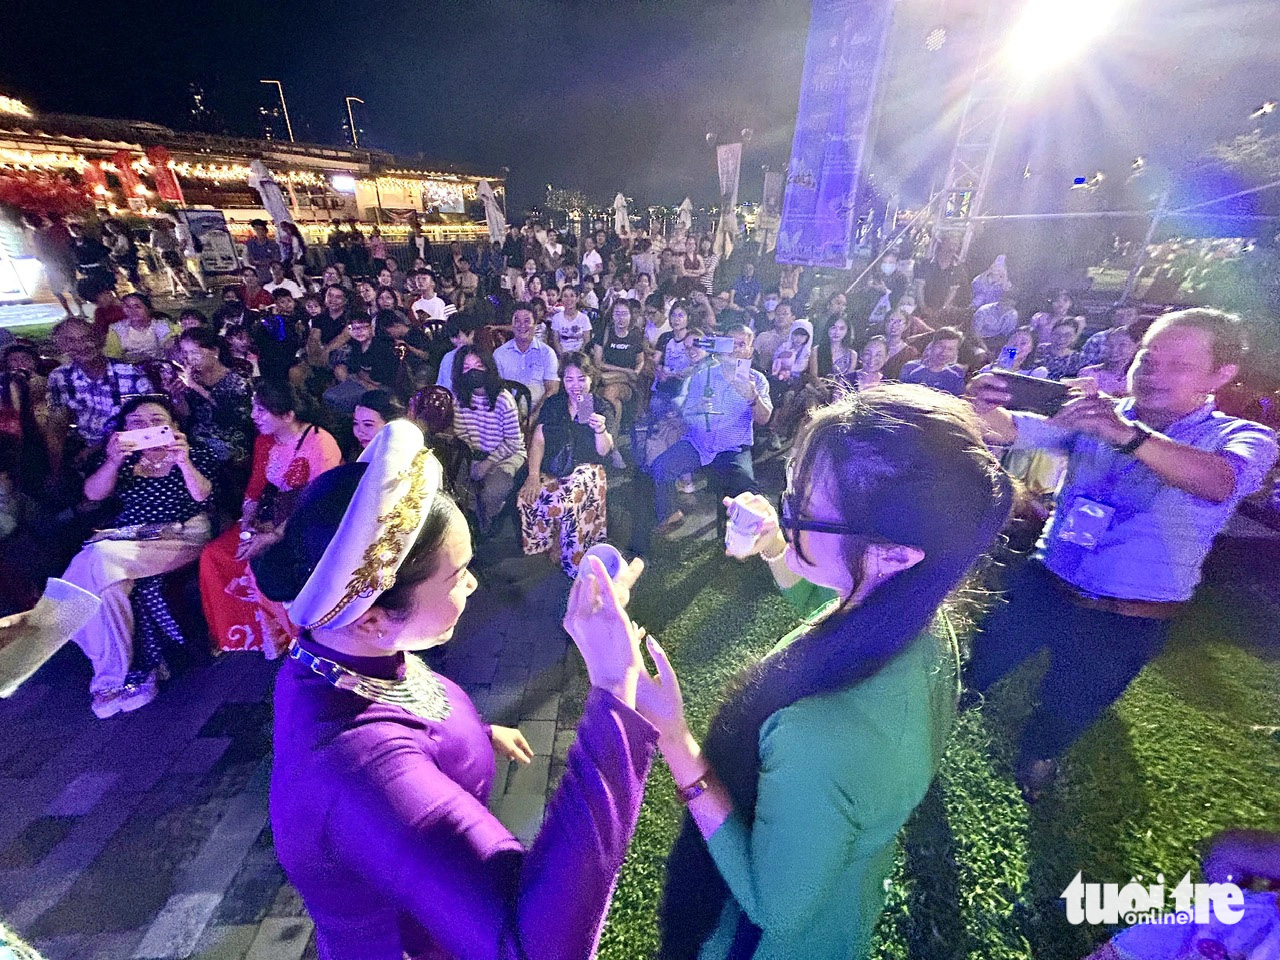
x=608 y=96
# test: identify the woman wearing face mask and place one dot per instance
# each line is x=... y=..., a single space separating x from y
x=485 y=418
x=826 y=745
x=382 y=768
x=565 y=492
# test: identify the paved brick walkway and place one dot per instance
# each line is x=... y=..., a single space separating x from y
x=146 y=835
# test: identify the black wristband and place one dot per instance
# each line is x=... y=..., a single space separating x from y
x=1143 y=435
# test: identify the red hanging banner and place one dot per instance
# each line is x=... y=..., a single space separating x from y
x=130 y=185
x=166 y=180
x=95 y=180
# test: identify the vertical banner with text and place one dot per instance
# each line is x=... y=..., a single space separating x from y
x=842 y=67
x=729 y=165
x=770 y=211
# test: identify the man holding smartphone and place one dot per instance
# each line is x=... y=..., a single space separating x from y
x=722 y=407
x=1150 y=482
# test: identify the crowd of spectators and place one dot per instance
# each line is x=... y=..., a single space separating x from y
x=544 y=367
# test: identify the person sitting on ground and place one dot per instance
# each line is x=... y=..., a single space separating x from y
x=797 y=797
x=672 y=364
x=288 y=453
x=485 y=418
x=139 y=336
x=787 y=379
x=939 y=368
x=871 y=371
x=107 y=308
x=989 y=285
x=1094 y=350
x=527 y=360
x=164 y=493
x=24 y=418
x=746 y=289
x=370 y=363
x=280 y=280
x=374 y=410
x=900 y=352
x=656 y=322
x=767 y=343
x=1023 y=344
x=252 y=293
x=461 y=333
x=244 y=352
x=87 y=391
x=993 y=322
x=721 y=407
x=366 y=302
x=565 y=492
x=619 y=356
x=832 y=363
x=1058 y=355
x=1112 y=375
x=1058 y=308
x=231 y=311
x=277 y=333
x=216 y=401
x=570 y=325
x=1151 y=480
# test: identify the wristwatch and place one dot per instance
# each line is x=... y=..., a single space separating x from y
x=693 y=790
x=1143 y=434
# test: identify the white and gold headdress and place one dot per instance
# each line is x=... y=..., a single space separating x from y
x=377 y=531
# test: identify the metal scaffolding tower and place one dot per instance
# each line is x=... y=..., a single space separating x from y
x=986 y=106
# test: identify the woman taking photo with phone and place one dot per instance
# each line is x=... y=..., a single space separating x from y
x=565 y=492
x=164 y=487
x=822 y=750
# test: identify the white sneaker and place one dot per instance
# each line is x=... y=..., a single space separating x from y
x=135 y=696
x=105 y=704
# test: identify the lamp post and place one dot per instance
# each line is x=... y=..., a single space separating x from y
x=355 y=137
x=283 y=106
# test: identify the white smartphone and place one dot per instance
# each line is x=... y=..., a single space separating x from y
x=147 y=438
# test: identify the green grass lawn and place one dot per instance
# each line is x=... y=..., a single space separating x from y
x=980 y=872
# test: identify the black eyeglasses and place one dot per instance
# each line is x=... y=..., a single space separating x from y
x=791 y=523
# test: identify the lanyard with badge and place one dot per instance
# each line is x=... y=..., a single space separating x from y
x=1087 y=519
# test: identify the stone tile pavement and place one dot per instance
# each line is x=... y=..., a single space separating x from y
x=147 y=835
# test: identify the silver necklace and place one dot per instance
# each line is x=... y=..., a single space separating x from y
x=420 y=691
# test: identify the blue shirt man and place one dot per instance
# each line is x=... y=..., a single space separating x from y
x=722 y=402
x=1150 y=482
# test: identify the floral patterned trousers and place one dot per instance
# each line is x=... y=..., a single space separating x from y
x=575 y=504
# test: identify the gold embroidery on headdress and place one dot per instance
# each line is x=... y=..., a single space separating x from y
x=377 y=572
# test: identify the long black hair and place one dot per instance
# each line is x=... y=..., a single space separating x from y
x=905 y=465
x=491 y=379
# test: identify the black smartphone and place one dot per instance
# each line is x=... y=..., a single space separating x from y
x=1033 y=394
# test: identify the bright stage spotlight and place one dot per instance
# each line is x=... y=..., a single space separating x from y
x=1051 y=33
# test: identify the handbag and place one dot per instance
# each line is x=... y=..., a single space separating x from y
x=276 y=505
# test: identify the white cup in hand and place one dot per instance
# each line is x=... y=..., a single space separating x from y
x=743 y=528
